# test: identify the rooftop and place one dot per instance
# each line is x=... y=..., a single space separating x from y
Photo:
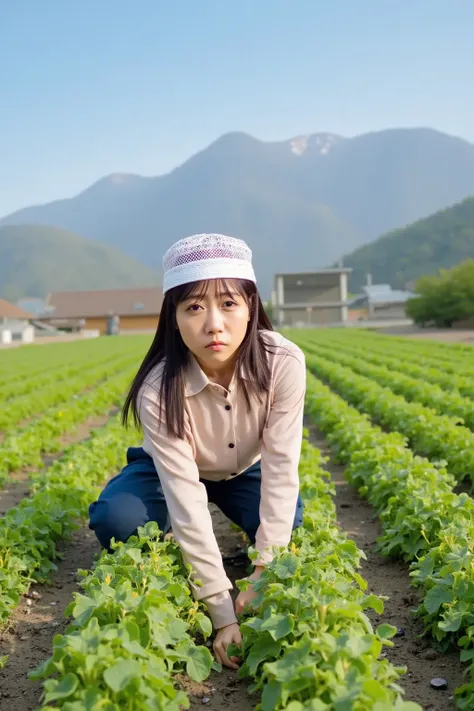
x=382 y=294
x=8 y=310
x=145 y=301
x=335 y=270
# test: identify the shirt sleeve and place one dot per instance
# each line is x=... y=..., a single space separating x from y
x=187 y=503
x=281 y=451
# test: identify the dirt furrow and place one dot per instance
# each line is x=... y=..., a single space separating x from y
x=224 y=691
x=32 y=626
x=29 y=635
x=390 y=578
x=17 y=486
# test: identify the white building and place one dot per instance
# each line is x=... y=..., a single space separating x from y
x=15 y=324
x=316 y=298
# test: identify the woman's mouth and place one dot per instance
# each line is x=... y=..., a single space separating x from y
x=216 y=345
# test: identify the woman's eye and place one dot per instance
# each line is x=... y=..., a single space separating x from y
x=194 y=307
x=229 y=304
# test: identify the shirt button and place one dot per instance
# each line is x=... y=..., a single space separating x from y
x=231 y=445
x=227 y=407
x=234 y=474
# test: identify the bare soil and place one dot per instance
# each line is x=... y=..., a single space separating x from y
x=388 y=577
x=16 y=489
x=28 y=638
x=17 y=486
x=445 y=335
x=31 y=629
x=32 y=626
x=224 y=690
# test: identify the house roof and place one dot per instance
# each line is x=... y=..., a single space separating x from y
x=33 y=305
x=8 y=310
x=330 y=270
x=382 y=294
x=145 y=301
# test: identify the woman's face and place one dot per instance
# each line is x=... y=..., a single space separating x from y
x=213 y=324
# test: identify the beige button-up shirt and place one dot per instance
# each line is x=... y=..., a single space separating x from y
x=220 y=443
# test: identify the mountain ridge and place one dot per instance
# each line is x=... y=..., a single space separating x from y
x=37 y=259
x=297 y=210
x=440 y=241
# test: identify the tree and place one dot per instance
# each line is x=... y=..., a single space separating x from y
x=444 y=298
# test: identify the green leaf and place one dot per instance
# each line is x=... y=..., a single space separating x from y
x=83 y=608
x=435 y=598
x=135 y=648
x=401 y=706
x=199 y=663
x=285 y=567
x=386 y=631
x=375 y=689
x=62 y=689
x=452 y=623
x=119 y=676
x=135 y=554
x=204 y=624
x=264 y=648
x=271 y=696
x=375 y=603
x=278 y=625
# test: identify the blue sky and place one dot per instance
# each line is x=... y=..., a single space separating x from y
x=92 y=87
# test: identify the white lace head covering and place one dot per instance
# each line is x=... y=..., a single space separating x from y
x=206 y=256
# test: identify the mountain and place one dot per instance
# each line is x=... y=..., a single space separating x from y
x=300 y=203
x=398 y=258
x=37 y=259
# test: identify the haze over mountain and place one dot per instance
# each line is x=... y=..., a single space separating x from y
x=300 y=203
x=35 y=260
x=400 y=257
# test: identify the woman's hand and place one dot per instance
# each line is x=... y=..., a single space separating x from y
x=245 y=597
x=224 y=637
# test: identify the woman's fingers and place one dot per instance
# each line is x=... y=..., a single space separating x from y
x=220 y=651
x=221 y=654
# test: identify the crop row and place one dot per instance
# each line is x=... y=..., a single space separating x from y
x=29 y=363
x=29 y=532
x=25 y=447
x=59 y=392
x=423 y=520
x=447 y=356
x=432 y=435
x=451 y=403
x=13 y=391
x=308 y=647
x=311 y=645
x=380 y=354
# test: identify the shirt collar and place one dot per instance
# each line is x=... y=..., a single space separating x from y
x=195 y=378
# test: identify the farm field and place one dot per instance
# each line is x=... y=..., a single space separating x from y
x=370 y=609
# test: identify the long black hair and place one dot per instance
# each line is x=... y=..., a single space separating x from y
x=169 y=349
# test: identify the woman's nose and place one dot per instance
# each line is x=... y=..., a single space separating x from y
x=214 y=321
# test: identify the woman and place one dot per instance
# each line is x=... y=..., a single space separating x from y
x=219 y=397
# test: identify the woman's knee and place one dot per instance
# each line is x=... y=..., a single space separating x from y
x=117 y=517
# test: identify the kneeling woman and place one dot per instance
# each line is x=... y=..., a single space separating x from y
x=219 y=397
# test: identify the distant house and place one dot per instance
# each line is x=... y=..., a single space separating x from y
x=33 y=305
x=15 y=324
x=379 y=302
x=315 y=298
x=137 y=309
